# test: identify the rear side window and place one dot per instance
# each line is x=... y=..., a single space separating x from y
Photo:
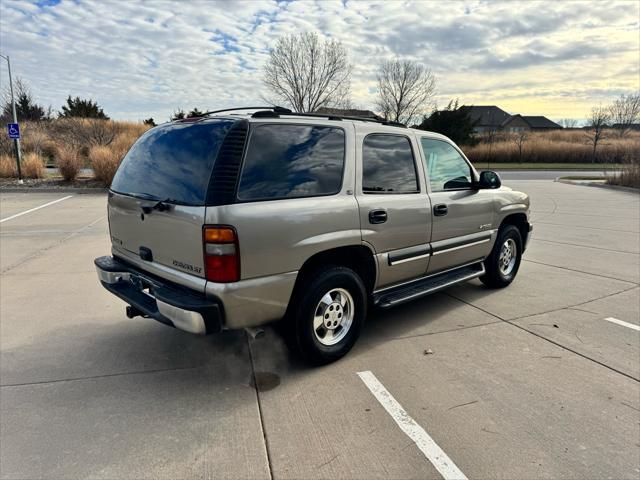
x=172 y=162
x=288 y=161
x=388 y=165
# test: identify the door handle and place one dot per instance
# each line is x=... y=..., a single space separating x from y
x=377 y=216
x=440 y=210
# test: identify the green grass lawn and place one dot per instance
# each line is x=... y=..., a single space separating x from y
x=547 y=166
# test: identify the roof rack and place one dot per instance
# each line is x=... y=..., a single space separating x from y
x=330 y=116
x=276 y=111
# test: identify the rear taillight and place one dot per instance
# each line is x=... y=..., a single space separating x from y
x=221 y=254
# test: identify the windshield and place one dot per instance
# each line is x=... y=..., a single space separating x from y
x=172 y=162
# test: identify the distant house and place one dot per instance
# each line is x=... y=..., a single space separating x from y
x=524 y=123
x=487 y=118
x=348 y=112
x=633 y=126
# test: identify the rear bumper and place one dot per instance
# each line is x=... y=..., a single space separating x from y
x=167 y=303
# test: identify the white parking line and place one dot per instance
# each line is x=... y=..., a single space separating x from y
x=415 y=432
x=34 y=209
x=623 y=323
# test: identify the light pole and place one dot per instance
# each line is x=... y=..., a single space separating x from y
x=15 y=120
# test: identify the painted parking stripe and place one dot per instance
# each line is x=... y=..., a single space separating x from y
x=34 y=209
x=415 y=432
x=623 y=323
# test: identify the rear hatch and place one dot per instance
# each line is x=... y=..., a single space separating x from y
x=158 y=195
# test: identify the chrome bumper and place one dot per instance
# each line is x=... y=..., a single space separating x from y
x=169 y=304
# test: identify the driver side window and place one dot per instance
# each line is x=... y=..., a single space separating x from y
x=446 y=168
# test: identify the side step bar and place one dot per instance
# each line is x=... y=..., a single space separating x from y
x=427 y=285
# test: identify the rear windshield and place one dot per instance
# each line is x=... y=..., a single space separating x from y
x=172 y=162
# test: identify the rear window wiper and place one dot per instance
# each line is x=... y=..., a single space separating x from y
x=161 y=205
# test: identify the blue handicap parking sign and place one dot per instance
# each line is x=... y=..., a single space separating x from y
x=14 y=130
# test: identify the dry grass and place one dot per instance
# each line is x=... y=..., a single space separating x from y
x=571 y=146
x=32 y=165
x=69 y=161
x=8 y=166
x=67 y=143
x=629 y=176
x=104 y=162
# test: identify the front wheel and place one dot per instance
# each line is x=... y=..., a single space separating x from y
x=504 y=261
x=327 y=317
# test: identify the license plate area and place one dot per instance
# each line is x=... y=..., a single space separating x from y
x=143 y=285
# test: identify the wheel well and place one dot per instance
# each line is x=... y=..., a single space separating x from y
x=518 y=220
x=358 y=258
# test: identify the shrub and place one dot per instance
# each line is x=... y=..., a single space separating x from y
x=34 y=138
x=8 y=166
x=104 y=162
x=69 y=161
x=32 y=166
x=50 y=149
x=629 y=176
x=122 y=143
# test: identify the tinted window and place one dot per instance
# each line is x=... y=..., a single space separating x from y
x=172 y=162
x=446 y=168
x=285 y=161
x=388 y=166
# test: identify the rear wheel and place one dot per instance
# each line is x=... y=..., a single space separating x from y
x=327 y=316
x=504 y=261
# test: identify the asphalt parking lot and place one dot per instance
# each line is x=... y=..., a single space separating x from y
x=540 y=380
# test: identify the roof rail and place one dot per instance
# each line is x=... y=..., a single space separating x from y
x=276 y=111
x=274 y=108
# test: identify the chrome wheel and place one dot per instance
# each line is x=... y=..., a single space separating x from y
x=508 y=257
x=333 y=316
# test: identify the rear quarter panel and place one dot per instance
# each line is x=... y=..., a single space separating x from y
x=278 y=236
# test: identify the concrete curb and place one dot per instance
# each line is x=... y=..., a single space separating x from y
x=80 y=190
x=599 y=185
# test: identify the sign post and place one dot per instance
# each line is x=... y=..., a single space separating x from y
x=14 y=125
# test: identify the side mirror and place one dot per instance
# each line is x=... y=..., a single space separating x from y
x=489 y=179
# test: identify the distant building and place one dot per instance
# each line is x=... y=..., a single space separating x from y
x=633 y=126
x=490 y=118
x=487 y=118
x=348 y=112
x=524 y=123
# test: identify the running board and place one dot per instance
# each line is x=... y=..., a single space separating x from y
x=427 y=285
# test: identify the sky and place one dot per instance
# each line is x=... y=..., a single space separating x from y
x=141 y=59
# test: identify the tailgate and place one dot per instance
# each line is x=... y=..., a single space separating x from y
x=173 y=237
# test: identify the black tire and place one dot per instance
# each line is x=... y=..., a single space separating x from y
x=300 y=318
x=494 y=276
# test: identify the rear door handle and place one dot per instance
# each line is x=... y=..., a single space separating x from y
x=440 y=210
x=377 y=216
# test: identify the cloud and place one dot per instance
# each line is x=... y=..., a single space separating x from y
x=141 y=59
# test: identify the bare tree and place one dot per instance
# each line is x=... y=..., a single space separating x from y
x=405 y=90
x=569 y=122
x=26 y=106
x=519 y=138
x=307 y=74
x=598 y=120
x=625 y=111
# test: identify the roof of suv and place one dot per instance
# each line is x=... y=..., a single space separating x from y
x=268 y=116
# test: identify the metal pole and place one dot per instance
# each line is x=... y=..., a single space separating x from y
x=15 y=120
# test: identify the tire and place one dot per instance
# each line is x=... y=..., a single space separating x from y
x=500 y=272
x=322 y=331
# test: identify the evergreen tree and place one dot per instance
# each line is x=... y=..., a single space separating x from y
x=79 y=107
x=453 y=122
